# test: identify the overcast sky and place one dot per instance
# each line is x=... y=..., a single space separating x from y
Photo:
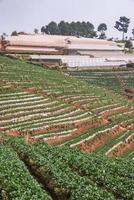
x=25 y=15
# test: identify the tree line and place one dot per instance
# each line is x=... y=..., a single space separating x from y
x=83 y=29
x=79 y=29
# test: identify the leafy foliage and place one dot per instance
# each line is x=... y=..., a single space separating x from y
x=102 y=28
x=78 y=175
x=17 y=181
x=122 y=25
x=128 y=44
x=85 y=29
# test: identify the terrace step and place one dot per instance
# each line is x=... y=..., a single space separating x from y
x=122 y=147
x=94 y=141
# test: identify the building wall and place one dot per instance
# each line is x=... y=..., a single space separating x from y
x=99 y=54
x=93 y=67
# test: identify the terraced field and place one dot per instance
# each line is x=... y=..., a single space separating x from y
x=44 y=107
x=61 y=110
x=113 y=80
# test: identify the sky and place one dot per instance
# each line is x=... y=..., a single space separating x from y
x=26 y=15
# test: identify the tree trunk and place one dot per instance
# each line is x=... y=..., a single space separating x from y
x=123 y=36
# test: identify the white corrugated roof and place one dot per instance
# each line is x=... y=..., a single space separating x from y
x=60 y=41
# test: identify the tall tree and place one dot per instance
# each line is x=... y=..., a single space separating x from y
x=102 y=28
x=122 y=25
x=91 y=31
x=52 y=28
x=79 y=29
x=14 y=33
x=73 y=28
x=36 y=31
x=43 y=29
x=128 y=44
x=64 y=28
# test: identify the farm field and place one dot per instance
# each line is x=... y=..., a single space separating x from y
x=110 y=79
x=62 y=110
x=73 y=140
x=39 y=171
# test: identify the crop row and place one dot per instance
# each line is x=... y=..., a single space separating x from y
x=62 y=181
x=60 y=109
x=16 y=179
x=77 y=175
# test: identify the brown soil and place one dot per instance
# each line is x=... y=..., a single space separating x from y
x=14 y=133
x=115 y=110
x=81 y=128
x=126 y=92
x=100 y=139
x=44 y=179
x=123 y=147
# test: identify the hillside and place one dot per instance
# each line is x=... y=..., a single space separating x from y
x=116 y=80
x=62 y=110
x=44 y=107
